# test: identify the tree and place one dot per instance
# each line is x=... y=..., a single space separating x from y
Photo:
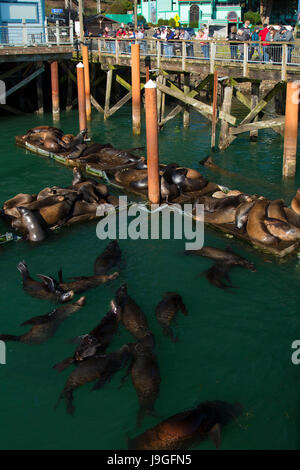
x=265 y=10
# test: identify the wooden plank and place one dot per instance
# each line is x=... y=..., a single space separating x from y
x=25 y=81
x=119 y=104
x=96 y=105
x=254 y=102
x=7 y=74
x=226 y=107
x=214 y=113
x=186 y=112
x=278 y=122
x=242 y=98
x=171 y=115
x=108 y=92
x=39 y=90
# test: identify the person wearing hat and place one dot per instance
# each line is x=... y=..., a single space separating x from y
x=287 y=36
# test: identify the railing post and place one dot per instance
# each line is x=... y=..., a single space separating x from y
x=284 y=61
x=212 y=56
x=245 y=63
x=46 y=32
x=158 y=53
x=183 y=55
x=117 y=50
x=99 y=49
x=24 y=32
x=57 y=33
x=71 y=32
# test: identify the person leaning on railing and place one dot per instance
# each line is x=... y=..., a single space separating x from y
x=109 y=39
x=274 y=50
x=286 y=35
x=255 y=47
x=185 y=36
x=232 y=36
x=202 y=35
x=263 y=34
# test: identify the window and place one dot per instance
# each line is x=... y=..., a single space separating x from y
x=194 y=14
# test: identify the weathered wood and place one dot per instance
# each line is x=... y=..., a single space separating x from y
x=214 y=112
x=171 y=115
x=10 y=72
x=108 y=92
x=242 y=98
x=163 y=101
x=39 y=90
x=254 y=102
x=245 y=62
x=226 y=108
x=159 y=80
x=119 y=104
x=186 y=112
x=12 y=110
x=284 y=62
x=96 y=105
x=25 y=82
x=253 y=126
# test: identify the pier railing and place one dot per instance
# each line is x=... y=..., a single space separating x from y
x=26 y=34
x=277 y=54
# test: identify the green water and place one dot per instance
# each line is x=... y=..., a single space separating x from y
x=233 y=346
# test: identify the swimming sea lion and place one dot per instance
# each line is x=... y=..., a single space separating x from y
x=295 y=204
x=217 y=274
x=145 y=377
x=44 y=326
x=41 y=290
x=32 y=224
x=98 y=368
x=108 y=259
x=275 y=210
x=227 y=256
x=95 y=341
x=256 y=228
x=188 y=428
x=81 y=283
x=132 y=316
x=166 y=310
x=282 y=230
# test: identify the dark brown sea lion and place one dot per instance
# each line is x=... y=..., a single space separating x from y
x=77 y=151
x=44 y=326
x=80 y=284
x=40 y=289
x=188 y=428
x=109 y=258
x=98 y=368
x=44 y=202
x=193 y=184
x=222 y=256
x=55 y=191
x=82 y=207
x=57 y=213
x=212 y=204
x=32 y=224
x=145 y=377
x=275 y=210
x=79 y=180
x=53 y=145
x=295 y=204
x=18 y=200
x=68 y=138
x=223 y=216
x=282 y=230
x=132 y=316
x=292 y=217
x=41 y=129
x=256 y=228
x=166 y=310
x=95 y=341
x=218 y=275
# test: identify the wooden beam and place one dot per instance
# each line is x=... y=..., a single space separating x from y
x=108 y=92
x=96 y=105
x=25 y=81
x=277 y=122
x=39 y=90
x=254 y=102
x=226 y=107
x=119 y=104
x=7 y=74
x=171 y=115
x=242 y=98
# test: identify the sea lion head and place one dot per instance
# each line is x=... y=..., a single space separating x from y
x=66 y=296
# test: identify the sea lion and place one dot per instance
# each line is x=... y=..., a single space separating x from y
x=166 y=310
x=242 y=212
x=292 y=217
x=188 y=428
x=295 y=204
x=41 y=290
x=132 y=316
x=223 y=216
x=83 y=208
x=68 y=138
x=77 y=151
x=79 y=180
x=217 y=274
x=212 y=204
x=109 y=258
x=55 y=191
x=79 y=284
x=227 y=256
x=41 y=129
x=18 y=200
x=256 y=228
x=145 y=377
x=44 y=202
x=275 y=210
x=98 y=368
x=32 y=224
x=95 y=341
x=57 y=213
x=282 y=230
x=44 y=326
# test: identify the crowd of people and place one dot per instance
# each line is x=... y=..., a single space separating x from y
x=261 y=49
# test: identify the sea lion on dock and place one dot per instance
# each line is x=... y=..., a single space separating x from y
x=132 y=316
x=227 y=256
x=57 y=213
x=292 y=217
x=55 y=191
x=44 y=202
x=95 y=341
x=282 y=230
x=275 y=210
x=295 y=204
x=84 y=208
x=222 y=216
x=68 y=138
x=256 y=228
x=145 y=377
x=188 y=428
x=44 y=326
x=98 y=368
x=166 y=310
x=242 y=212
x=32 y=225
x=212 y=204
x=41 y=290
x=15 y=201
x=81 y=283
x=110 y=257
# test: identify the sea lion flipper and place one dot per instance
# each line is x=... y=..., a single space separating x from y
x=62 y=365
x=215 y=435
x=39 y=320
x=49 y=282
x=102 y=381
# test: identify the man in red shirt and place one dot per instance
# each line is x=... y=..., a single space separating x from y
x=263 y=34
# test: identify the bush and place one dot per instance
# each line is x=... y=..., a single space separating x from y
x=141 y=18
x=172 y=22
x=161 y=22
x=253 y=17
x=120 y=7
x=194 y=24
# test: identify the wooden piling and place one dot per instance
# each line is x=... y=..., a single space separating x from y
x=254 y=103
x=136 y=89
x=214 y=113
x=39 y=90
x=108 y=92
x=226 y=108
x=186 y=89
x=55 y=90
x=291 y=129
x=152 y=142
x=87 y=85
x=81 y=97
